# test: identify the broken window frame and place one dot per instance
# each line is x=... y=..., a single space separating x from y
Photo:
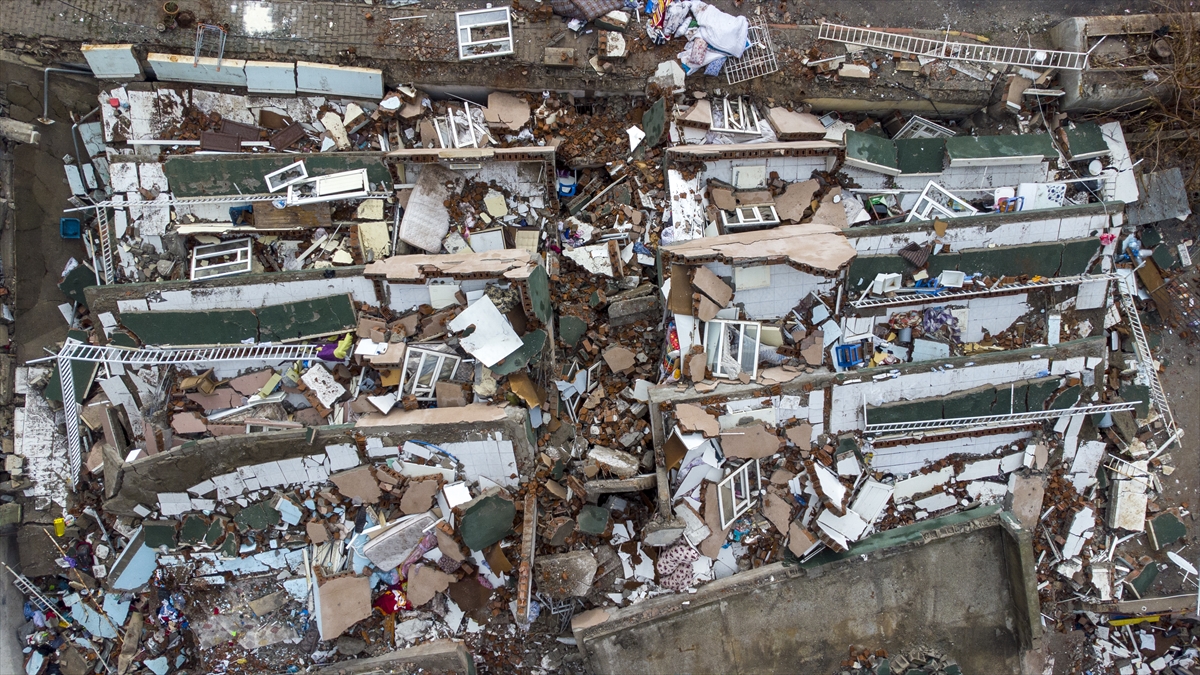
x=241 y=251
x=413 y=385
x=919 y=127
x=735 y=484
x=272 y=186
x=722 y=341
x=928 y=206
x=747 y=114
x=466 y=45
x=260 y=427
x=330 y=187
x=749 y=216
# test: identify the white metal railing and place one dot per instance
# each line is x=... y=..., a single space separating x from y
x=1145 y=358
x=74 y=350
x=957 y=51
x=993 y=421
x=228 y=199
x=950 y=294
x=106 y=251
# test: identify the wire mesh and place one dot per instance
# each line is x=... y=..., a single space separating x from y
x=759 y=57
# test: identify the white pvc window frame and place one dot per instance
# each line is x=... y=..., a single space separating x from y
x=327 y=188
x=935 y=201
x=224 y=259
x=746 y=115
x=428 y=367
x=736 y=340
x=448 y=129
x=750 y=215
x=286 y=173
x=919 y=127
x=470 y=48
x=738 y=491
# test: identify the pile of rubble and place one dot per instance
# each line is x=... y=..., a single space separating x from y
x=419 y=371
x=916 y=661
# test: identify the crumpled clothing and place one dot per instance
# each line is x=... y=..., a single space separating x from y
x=392 y=600
x=695 y=52
x=448 y=565
x=936 y=317
x=714 y=67
x=902 y=320
x=428 y=543
x=675 y=569
x=720 y=31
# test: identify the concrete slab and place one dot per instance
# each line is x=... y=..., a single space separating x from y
x=320 y=78
x=268 y=77
x=176 y=68
x=113 y=62
x=776 y=619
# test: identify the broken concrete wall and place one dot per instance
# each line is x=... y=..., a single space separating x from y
x=527 y=172
x=331 y=80
x=1099 y=89
x=236 y=292
x=178 y=469
x=1049 y=259
x=438 y=656
x=790 y=169
x=910 y=456
x=801 y=618
x=1007 y=229
x=1021 y=565
x=404 y=297
x=252 y=295
x=920 y=381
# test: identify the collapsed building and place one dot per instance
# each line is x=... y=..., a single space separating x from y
x=354 y=370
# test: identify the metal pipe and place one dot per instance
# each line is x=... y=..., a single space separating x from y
x=45 y=118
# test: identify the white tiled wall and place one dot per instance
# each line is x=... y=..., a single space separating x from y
x=846 y=408
x=993 y=314
x=788 y=286
x=493 y=459
x=905 y=458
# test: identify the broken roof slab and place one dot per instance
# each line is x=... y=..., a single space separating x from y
x=815 y=248
x=512 y=263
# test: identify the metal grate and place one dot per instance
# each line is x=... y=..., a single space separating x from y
x=759 y=57
x=954 y=51
x=208 y=33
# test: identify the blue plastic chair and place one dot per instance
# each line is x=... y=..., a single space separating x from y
x=849 y=356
